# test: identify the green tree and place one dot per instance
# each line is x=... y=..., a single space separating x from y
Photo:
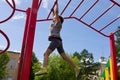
x=58 y=69
x=4 y=59
x=87 y=65
x=35 y=66
x=117 y=43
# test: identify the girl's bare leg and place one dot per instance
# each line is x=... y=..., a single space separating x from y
x=46 y=57
x=68 y=60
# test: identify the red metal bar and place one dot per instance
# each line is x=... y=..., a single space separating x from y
x=77 y=7
x=8 y=42
x=115 y=2
x=10 y=3
x=79 y=21
x=89 y=9
x=11 y=13
x=39 y=4
x=44 y=20
x=51 y=19
x=109 y=23
x=51 y=10
x=113 y=55
x=29 y=41
x=65 y=7
x=20 y=10
x=14 y=7
x=102 y=14
x=23 y=46
x=91 y=27
x=116 y=31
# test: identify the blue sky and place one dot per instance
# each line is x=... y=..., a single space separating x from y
x=76 y=36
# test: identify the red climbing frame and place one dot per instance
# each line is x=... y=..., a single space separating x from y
x=26 y=53
x=28 y=39
x=8 y=42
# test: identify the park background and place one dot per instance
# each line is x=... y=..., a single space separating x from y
x=76 y=36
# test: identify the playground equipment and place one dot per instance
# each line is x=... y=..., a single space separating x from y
x=8 y=42
x=30 y=26
x=108 y=72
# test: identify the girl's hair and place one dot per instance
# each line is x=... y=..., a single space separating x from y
x=61 y=19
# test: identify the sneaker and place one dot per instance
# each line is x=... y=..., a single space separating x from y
x=77 y=72
x=42 y=72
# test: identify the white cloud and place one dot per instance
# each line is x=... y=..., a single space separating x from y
x=19 y=16
x=45 y=4
x=17 y=2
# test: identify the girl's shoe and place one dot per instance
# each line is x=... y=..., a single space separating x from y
x=42 y=72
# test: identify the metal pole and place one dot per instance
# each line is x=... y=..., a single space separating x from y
x=113 y=56
x=25 y=73
x=23 y=45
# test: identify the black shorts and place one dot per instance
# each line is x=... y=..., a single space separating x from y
x=56 y=43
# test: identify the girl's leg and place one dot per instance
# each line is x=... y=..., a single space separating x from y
x=66 y=58
x=49 y=50
x=77 y=70
x=45 y=63
x=46 y=56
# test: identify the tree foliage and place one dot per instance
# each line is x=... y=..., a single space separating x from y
x=58 y=69
x=35 y=66
x=117 y=42
x=87 y=65
x=4 y=59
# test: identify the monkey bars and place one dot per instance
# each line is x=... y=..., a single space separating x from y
x=71 y=16
x=32 y=12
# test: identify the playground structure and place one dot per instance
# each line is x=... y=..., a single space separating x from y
x=8 y=42
x=107 y=74
x=30 y=26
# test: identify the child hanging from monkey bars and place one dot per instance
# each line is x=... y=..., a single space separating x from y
x=56 y=42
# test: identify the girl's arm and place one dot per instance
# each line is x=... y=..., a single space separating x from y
x=57 y=12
